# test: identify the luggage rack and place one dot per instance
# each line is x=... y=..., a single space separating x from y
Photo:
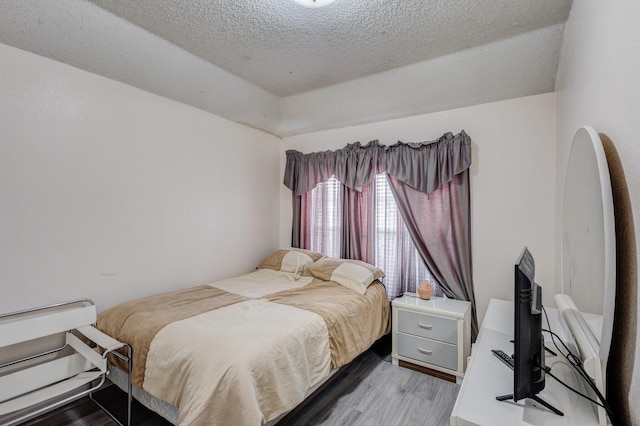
x=40 y=382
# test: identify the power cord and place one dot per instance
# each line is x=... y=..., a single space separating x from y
x=547 y=370
x=576 y=362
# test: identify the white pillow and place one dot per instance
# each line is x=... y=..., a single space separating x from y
x=353 y=274
x=295 y=261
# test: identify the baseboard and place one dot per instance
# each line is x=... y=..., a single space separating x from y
x=429 y=371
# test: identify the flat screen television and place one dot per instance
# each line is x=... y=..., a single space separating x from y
x=528 y=368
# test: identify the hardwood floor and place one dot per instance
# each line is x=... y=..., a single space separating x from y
x=374 y=392
x=85 y=412
x=371 y=391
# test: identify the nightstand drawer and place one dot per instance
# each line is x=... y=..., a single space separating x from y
x=428 y=351
x=425 y=325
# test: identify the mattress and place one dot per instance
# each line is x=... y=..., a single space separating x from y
x=247 y=349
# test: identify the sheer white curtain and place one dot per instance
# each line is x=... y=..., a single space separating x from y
x=394 y=251
x=324 y=218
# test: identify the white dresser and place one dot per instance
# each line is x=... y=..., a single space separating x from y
x=487 y=377
x=435 y=333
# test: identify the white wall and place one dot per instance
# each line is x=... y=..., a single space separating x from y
x=110 y=192
x=82 y=34
x=598 y=85
x=512 y=182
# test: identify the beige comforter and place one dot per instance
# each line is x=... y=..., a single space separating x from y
x=245 y=350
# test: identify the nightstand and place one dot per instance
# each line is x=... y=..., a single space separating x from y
x=435 y=334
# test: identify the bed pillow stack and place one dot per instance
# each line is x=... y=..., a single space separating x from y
x=353 y=274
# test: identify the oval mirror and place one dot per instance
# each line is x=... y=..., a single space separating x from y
x=588 y=252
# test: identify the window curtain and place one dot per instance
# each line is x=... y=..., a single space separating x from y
x=395 y=252
x=439 y=225
x=419 y=173
x=374 y=232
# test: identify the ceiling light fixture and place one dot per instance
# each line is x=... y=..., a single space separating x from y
x=314 y=3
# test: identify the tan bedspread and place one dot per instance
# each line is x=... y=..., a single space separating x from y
x=224 y=358
x=137 y=322
x=240 y=365
x=354 y=320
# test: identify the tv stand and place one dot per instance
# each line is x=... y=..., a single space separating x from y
x=536 y=399
x=487 y=376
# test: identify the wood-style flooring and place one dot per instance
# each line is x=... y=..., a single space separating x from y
x=370 y=392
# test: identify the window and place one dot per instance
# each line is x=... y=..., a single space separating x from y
x=393 y=249
x=324 y=217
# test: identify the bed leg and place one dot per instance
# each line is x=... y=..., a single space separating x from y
x=129 y=386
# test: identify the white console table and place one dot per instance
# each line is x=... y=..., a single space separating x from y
x=487 y=377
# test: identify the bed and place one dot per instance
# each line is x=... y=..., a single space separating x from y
x=249 y=349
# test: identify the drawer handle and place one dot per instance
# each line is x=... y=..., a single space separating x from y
x=425 y=351
x=425 y=326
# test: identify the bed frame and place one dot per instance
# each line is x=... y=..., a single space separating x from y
x=170 y=412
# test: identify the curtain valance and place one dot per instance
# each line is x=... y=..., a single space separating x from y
x=425 y=166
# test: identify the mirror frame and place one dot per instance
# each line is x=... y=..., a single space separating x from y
x=588 y=252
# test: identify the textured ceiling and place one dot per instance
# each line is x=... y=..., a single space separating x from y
x=287 y=69
x=286 y=48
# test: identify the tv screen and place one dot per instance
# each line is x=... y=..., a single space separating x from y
x=528 y=358
x=528 y=372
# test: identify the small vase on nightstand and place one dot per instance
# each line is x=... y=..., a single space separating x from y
x=425 y=290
